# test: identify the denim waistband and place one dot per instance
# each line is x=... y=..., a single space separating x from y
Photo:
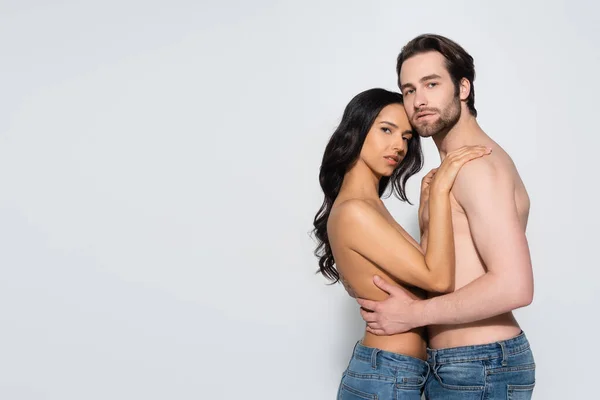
x=489 y=351
x=387 y=358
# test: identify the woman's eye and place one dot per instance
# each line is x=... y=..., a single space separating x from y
x=386 y=130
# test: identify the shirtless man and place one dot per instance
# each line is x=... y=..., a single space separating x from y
x=490 y=207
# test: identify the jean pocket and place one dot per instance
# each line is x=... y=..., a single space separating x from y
x=520 y=392
x=350 y=393
x=362 y=385
x=465 y=376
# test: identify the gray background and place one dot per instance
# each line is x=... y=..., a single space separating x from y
x=158 y=175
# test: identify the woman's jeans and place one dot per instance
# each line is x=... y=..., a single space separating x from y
x=379 y=374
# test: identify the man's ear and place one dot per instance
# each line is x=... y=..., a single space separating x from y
x=464 y=87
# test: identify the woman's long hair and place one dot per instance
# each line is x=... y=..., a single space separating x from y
x=342 y=152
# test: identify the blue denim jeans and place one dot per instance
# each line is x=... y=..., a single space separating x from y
x=378 y=374
x=501 y=370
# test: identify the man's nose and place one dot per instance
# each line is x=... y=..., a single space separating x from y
x=419 y=99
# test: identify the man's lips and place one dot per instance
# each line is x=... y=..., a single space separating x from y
x=424 y=114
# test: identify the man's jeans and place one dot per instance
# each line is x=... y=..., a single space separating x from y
x=501 y=370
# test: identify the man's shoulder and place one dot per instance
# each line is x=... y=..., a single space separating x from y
x=479 y=170
x=483 y=177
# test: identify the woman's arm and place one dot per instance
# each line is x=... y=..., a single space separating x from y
x=364 y=230
x=369 y=234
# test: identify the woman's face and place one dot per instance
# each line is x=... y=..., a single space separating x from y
x=386 y=143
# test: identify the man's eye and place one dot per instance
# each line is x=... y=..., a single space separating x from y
x=431 y=84
x=409 y=91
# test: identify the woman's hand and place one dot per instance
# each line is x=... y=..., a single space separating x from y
x=424 y=200
x=446 y=174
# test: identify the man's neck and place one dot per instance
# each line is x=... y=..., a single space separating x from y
x=464 y=133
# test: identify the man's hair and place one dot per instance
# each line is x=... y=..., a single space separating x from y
x=459 y=63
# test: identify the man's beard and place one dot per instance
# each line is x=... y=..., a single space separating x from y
x=447 y=119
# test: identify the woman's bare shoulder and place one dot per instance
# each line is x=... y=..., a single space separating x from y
x=353 y=210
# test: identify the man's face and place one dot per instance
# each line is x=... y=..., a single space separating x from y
x=430 y=97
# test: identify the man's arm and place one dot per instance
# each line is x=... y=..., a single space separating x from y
x=487 y=196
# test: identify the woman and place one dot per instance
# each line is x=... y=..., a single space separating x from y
x=373 y=147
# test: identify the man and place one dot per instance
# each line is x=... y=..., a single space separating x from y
x=490 y=207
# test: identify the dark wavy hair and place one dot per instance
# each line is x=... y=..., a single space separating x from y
x=341 y=153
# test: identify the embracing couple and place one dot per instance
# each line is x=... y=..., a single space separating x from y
x=439 y=312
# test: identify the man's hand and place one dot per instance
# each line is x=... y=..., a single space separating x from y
x=394 y=315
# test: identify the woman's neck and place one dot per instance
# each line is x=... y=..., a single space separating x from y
x=360 y=181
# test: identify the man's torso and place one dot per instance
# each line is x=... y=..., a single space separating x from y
x=469 y=267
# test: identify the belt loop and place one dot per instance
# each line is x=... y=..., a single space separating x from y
x=504 y=355
x=374 y=358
